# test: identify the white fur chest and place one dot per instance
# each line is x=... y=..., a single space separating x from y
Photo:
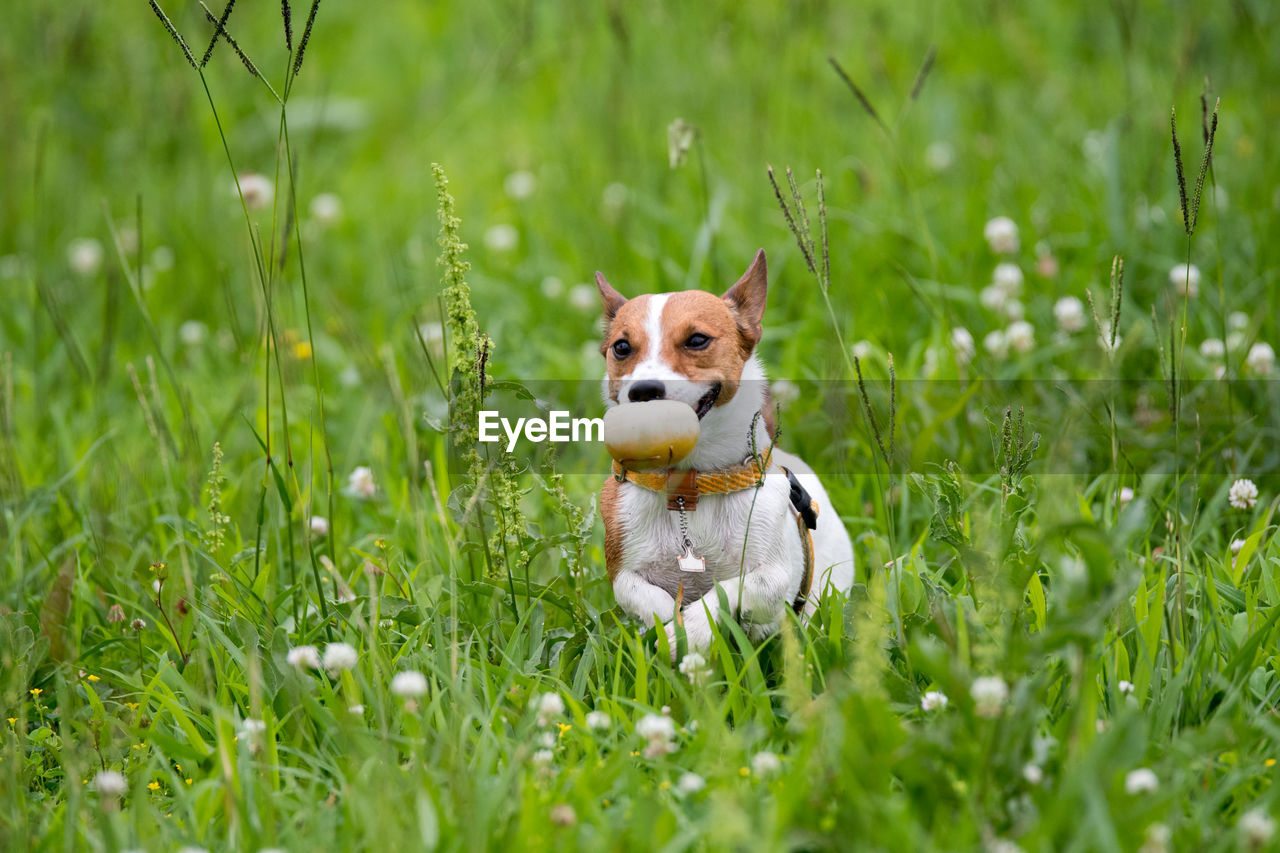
x=733 y=532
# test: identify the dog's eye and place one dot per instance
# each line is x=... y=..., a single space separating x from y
x=697 y=341
x=621 y=348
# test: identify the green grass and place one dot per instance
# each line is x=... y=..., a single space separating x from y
x=980 y=553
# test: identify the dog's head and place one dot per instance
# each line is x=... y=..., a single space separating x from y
x=690 y=346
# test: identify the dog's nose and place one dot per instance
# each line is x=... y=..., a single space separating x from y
x=646 y=390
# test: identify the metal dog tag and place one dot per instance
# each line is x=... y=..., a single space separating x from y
x=690 y=562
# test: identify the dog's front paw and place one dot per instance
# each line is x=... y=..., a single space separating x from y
x=673 y=639
x=697 y=627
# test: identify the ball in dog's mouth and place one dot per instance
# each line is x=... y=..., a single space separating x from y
x=652 y=434
x=707 y=401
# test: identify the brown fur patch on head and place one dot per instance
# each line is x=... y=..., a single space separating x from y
x=626 y=323
x=695 y=312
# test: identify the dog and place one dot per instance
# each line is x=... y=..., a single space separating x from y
x=676 y=538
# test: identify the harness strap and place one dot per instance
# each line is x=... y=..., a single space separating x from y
x=806 y=510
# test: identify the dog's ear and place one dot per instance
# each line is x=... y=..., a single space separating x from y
x=746 y=299
x=613 y=300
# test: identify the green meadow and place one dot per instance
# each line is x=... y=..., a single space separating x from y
x=261 y=589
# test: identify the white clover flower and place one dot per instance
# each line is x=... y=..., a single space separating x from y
x=349 y=377
x=409 y=684
x=339 y=657
x=543 y=757
x=110 y=783
x=613 y=200
x=962 y=344
x=598 y=720
x=784 y=391
x=1104 y=340
x=1021 y=336
x=326 y=209
x=193 y=333
x=1032 y=773
x=1156 y=840
x=1094 y=145
x=765 y=763
x=690 y=783
x=84 y=256
x=1125 y=687
x=656 y=725
x=1008 y=277
x=138 y=624
x=584 y=297
x=1001 y=234
x=694 y=667
x=996 y=344
x=520 y=184
x=356 y=710
x=1141 y=781
x=934 y=700
x=862 y=349
x=127 y=237
x=1237 y=321
x=1125 y=495
x=1002 y=845
x=319 y=525
x=548 y=706
x=1186 y=279
x=939 y=156
x=1046 y=263
x=1043 y=747
x=1013 y=309
x=547 y=739
x=1243 y=494
x=930 y=365
x=251 y=732
x=562 y=814
x=432 y=335
x=1256 y=829
x=1261 y=358
x=360 y=483
x=1213 y=348
x=501 y=238
x=552 y=287
x=1236 y=545
x=658 y=731
x=1069 y=314
x=989 y=695
x=993 y=298
x=257 y=190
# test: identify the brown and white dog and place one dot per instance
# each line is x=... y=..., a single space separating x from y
x=699 y=349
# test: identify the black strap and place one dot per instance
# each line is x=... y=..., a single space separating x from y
x=802 y=502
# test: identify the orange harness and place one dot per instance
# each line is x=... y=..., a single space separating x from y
x=683 y=487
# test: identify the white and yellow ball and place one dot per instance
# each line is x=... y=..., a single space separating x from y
x=654 y=434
